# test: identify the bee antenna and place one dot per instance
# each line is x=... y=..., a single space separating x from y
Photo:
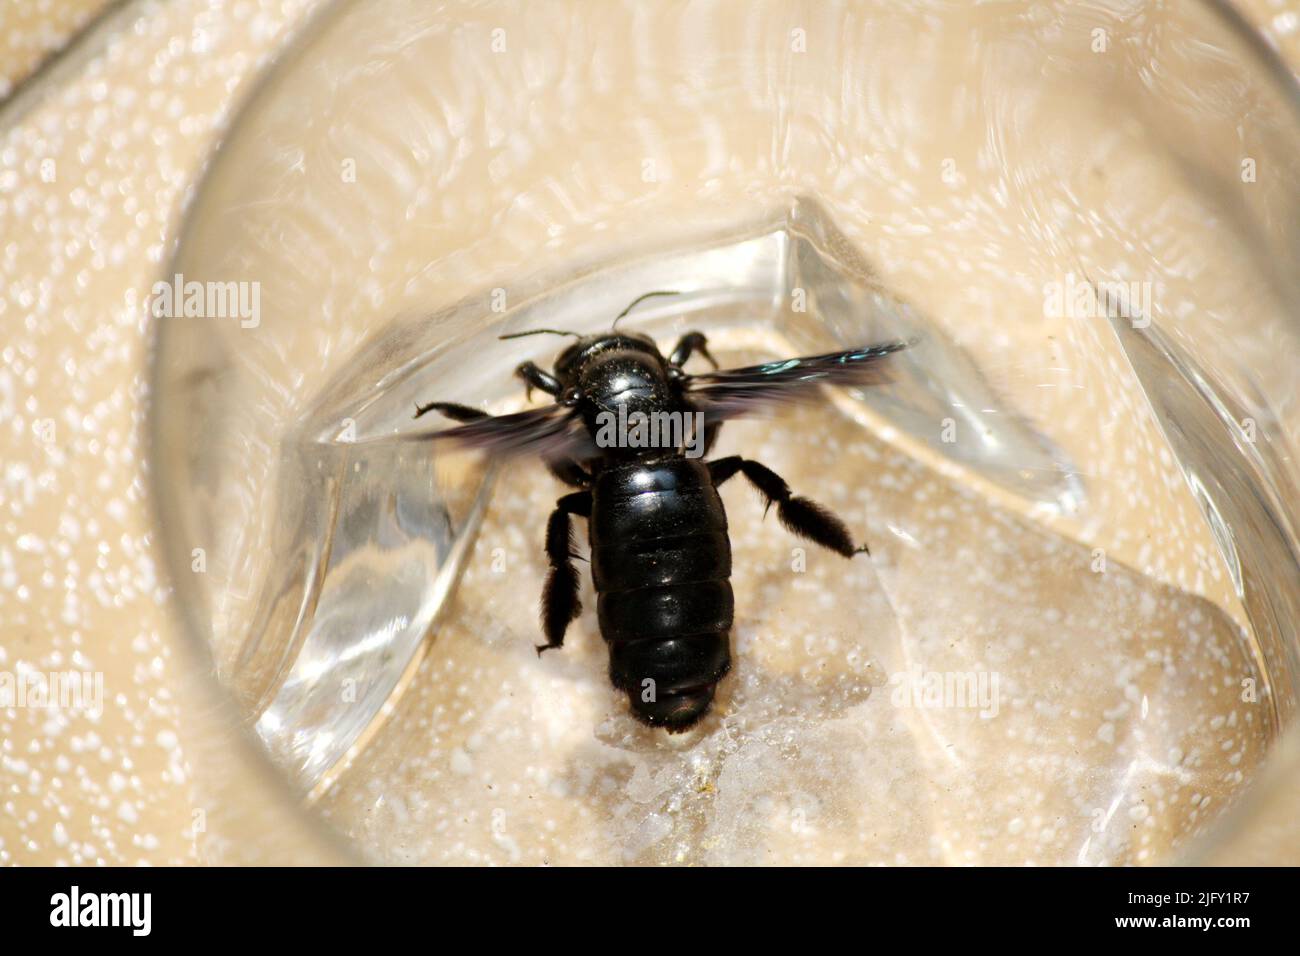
x=520 y=335
x=633 y=304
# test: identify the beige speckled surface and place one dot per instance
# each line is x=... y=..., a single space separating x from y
x=91 y=180
x=79 y=589
x=32 y=31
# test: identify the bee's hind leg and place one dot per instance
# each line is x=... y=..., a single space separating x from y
x=560 y=603
x=805 y=518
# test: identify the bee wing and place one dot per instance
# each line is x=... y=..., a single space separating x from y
x=733 y=392
x=553 y=431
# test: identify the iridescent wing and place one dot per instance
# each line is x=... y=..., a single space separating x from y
x=732 y=392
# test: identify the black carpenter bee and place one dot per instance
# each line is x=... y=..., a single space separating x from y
x=629 y=428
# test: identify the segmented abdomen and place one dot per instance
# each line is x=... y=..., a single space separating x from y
x=661 y=560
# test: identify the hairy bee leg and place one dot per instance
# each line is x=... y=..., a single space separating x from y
x=456 y=412
x=560 y=603
x=688 y=345
x=570 y=472
x=534 y=377
x=805 y=518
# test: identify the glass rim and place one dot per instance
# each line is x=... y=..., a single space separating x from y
x=1257 y=55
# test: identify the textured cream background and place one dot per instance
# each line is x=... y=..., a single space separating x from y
x=92 y=175
x=78 y=588
x=32 y=30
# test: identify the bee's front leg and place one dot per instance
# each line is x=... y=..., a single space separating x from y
x=534 y=377
x=453 y=410
x=688 y=345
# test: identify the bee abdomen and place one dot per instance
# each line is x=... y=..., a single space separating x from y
x=695 y=607
x=669 y=645
x=670 y=683
x=661 y=563
x=624 y=566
